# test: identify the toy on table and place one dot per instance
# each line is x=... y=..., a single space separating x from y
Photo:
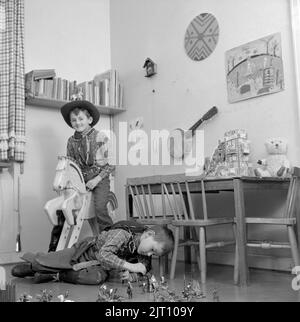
x=231 y=156
x=276 y=164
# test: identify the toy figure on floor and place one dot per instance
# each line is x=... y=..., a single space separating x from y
x=126 y=246
x=105 y=295
x=64 y=297
x=129 y=290
x=25 y=298
x=89 y=149
x=46 y=296
x=216 y=297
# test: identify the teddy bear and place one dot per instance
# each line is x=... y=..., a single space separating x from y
x=276 y=164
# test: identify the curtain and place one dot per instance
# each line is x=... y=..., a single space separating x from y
x=12 y=93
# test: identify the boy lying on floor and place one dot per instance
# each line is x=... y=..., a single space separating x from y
x=125 y=246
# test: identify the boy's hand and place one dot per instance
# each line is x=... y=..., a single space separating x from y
x=126 y=276
x=136 y=268
x=90 y=185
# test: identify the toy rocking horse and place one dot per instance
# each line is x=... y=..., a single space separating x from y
x=75 y=202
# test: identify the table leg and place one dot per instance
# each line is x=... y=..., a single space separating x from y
x=239 y=204
x=297 y=213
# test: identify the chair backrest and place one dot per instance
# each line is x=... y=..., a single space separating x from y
x=144 y=203
x=292 y=193
x=180 y=200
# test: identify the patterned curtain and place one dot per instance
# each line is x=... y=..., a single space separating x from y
x=12 y=93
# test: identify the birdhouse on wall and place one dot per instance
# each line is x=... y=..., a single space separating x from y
x=150 y=67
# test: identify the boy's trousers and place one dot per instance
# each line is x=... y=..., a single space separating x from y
x=100 y=193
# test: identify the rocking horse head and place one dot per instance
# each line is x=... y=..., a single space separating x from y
x=68 y=176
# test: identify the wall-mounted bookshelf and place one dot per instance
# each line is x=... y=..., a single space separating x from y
x=43 y=88
x=52 y=103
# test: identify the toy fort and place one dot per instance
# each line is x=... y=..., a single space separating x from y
x=231 y=156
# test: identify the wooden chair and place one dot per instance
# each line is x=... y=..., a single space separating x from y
x=287 y=220
x=184 y=216
x=146 y=212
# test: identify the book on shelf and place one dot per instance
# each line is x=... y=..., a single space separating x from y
x=110 y=88
x=36 y=75
x=104 y=89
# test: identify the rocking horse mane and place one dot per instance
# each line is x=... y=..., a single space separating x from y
x=74 y=165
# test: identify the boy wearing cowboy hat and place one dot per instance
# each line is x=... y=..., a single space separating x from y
x=89 y=149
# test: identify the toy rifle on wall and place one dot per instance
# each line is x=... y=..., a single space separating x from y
x=177 y=142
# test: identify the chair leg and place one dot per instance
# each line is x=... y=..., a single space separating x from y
x=161 y=265
x=166 y=263
x=164 y=269
x=202 y=247
x=197 y=253
x=174 y=254
x=236 y=259
x=294 y=246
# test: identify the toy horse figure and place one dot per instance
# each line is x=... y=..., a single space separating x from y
x=75 y=202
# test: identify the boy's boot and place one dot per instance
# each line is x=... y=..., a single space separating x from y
x=56 y=231
x=22 y=270
x=45 y=277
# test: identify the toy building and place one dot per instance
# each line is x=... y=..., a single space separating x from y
x=231 y=157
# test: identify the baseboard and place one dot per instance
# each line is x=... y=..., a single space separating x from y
x=254 y=261
x=10 y=258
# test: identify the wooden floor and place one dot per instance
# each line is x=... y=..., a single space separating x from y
x=265 y=286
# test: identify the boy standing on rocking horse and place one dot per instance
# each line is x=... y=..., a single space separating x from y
x=89 y=149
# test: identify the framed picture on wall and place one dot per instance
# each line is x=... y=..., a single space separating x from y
x=254 y=69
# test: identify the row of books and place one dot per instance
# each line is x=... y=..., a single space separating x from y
x=105 y=89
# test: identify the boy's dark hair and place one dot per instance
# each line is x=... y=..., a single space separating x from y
x=77 y=110
x=165 y=236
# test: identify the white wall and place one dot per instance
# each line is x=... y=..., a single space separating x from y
x=74 y=39
x=185 y=89
x=70 y=36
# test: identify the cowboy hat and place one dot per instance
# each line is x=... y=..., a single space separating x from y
x=69 y=107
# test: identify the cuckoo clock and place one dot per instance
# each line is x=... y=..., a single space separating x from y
x=150 y=67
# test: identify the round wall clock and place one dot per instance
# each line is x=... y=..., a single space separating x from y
x=201 y=36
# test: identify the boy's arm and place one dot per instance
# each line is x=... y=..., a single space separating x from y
x=70 y=151
x=103 y=158
x=107 y=254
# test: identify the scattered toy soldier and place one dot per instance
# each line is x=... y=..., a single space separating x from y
x=129 y=290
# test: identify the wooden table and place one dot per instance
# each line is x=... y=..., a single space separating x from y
x=238 y=185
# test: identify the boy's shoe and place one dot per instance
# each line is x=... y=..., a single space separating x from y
x=44 y=278
x=22 y=270
x=56 y=231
